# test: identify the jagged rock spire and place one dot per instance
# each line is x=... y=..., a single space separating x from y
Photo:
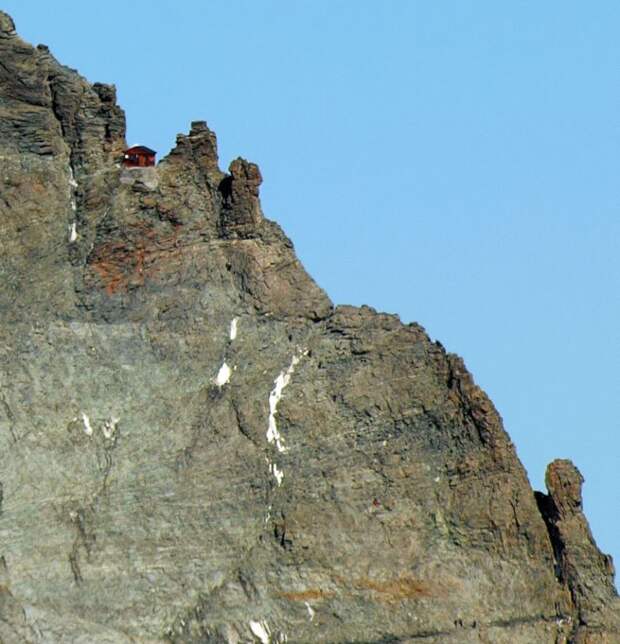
x=586 y=571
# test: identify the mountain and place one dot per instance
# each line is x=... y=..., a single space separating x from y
x=197 y=446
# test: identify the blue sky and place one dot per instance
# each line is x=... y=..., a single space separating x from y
x=457 y=163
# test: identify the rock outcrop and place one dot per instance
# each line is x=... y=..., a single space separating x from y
x=196 y=446
x=586 y=572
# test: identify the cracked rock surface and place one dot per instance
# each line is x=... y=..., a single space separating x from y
x=196 y=446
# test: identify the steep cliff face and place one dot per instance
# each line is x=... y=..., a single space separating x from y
x=198 y=447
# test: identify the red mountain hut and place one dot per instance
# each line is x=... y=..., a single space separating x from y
x=139 y=156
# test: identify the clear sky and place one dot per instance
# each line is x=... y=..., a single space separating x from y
x=457 y=163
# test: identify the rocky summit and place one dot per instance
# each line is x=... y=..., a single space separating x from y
x=197 y=446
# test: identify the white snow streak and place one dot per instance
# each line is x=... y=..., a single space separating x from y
x=278 y=473
x=72 y=185
x=273 y=435
x=310 y=610
x=223 y=375
x=233 y=328
x=88 y=429
x=261 y=630
x=72 y=181
x=109 y=427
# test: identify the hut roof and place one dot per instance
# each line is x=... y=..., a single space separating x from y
x=140 y=148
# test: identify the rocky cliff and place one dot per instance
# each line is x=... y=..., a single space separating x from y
x=197 y=446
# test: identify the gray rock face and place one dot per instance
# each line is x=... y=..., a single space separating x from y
x=196 y=446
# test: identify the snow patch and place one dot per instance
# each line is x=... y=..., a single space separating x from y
x=261 y=630
x=109 y=427
x=278 y=473
x=73 y=232
x=273 y=435
x=72 y=181
x=223 y=375
x=233 y=328
x=88 y=429
x=310 y=611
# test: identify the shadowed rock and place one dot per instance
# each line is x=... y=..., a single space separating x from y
x=241 y=213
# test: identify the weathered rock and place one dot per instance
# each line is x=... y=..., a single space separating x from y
x=241 y=212
x=587 y=573
x=61 y=139
x=195 y=446
x=200 y=149
x=7 y=26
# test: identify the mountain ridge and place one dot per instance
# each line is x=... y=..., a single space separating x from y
x=370 y=490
